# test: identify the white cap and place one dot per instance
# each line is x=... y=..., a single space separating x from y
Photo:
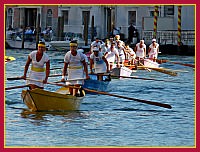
x=142 y=41
x=95 y=49
x=153 y=40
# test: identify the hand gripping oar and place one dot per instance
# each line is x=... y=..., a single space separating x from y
x=128 y=98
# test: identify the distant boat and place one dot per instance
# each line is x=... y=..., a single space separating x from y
x=65 y=45
x=9 y=58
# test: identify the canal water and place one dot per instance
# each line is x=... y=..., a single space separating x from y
x=105 y=120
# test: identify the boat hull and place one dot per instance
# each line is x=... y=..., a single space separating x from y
x=95 y=84
x=42 y=100
x=122 y=71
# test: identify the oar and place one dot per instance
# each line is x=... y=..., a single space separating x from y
x=19 y=78
x=184 y=64
x=16 y=87
x=131 y=77
x=145 y=67
x=134 y=77
x=172 y=73
x=128 y=98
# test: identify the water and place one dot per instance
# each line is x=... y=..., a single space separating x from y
x=105 y=120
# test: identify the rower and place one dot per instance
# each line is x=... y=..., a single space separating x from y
x=153 y=50
x=100 y=63
x=38 y=59
x=140 y=50
x=75 y=63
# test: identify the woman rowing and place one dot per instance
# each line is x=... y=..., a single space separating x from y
x=100 y=63
x=140 y=50
x=111 y=55
x=75 y=63
x=153 y=50
x=38 y=59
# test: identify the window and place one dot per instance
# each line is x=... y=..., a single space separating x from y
x=132 y=17
x=10 y=17
x=65 y=16
x=168 y=10
x=87 y=15
x=49 y=17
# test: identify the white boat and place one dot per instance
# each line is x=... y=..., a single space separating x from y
x=150 y=63
x=122 y=71
x=43 y=100
x=65 y=45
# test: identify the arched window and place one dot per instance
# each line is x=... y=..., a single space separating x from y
x=49 y=17
x=10 y=17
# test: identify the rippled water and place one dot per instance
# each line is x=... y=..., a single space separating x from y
x=105 y=120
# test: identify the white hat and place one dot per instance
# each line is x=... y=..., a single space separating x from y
x=142 y=41
x=153 y=40
x=95 y=49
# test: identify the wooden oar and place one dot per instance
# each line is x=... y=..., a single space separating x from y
x=145 y=67
x=134 y=77
x=19 y=78
x=184 y=64
x=131 y=77
x=128 y=98
x=169 y=72
x=16 y=87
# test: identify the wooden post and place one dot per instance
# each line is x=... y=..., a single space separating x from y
x=86 y=30
x=155 y=21
x=37 y=30
x=92 y=30
x=23 y=36
x=179 y=25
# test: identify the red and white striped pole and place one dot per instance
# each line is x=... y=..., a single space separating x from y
x=155 y=21
x=179 y=25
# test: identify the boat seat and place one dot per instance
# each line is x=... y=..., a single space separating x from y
x=63 y=90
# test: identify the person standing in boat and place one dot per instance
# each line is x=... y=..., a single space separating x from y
x=100 y=63
x=74 y=65
x=105 y=46
x=130 y=54
x=97 y=43
x=153 y=50
x=38 y=59
x=140 y=50
x=111 y=55
x=121 y=52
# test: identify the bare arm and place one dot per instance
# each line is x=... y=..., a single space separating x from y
x=26 y=67
x=47 y=71
x=64 y=71
x=91 y=63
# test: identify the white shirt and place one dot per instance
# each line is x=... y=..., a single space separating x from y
x=140 y=50
x=111 y=55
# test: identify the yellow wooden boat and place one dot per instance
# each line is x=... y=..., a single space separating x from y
x=60 y=100
x=9 y=58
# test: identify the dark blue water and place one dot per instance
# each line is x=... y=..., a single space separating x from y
x=106 y=120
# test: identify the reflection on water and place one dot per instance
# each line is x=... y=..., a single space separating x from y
x=67 y=116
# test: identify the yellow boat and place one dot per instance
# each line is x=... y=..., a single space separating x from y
x=9 y=58
x=60 y=100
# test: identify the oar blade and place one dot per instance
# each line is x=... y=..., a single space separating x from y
x=128 y=98
x=15 y=78
x=16 y=87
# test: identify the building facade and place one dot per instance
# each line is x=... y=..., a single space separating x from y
x=101 y=20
